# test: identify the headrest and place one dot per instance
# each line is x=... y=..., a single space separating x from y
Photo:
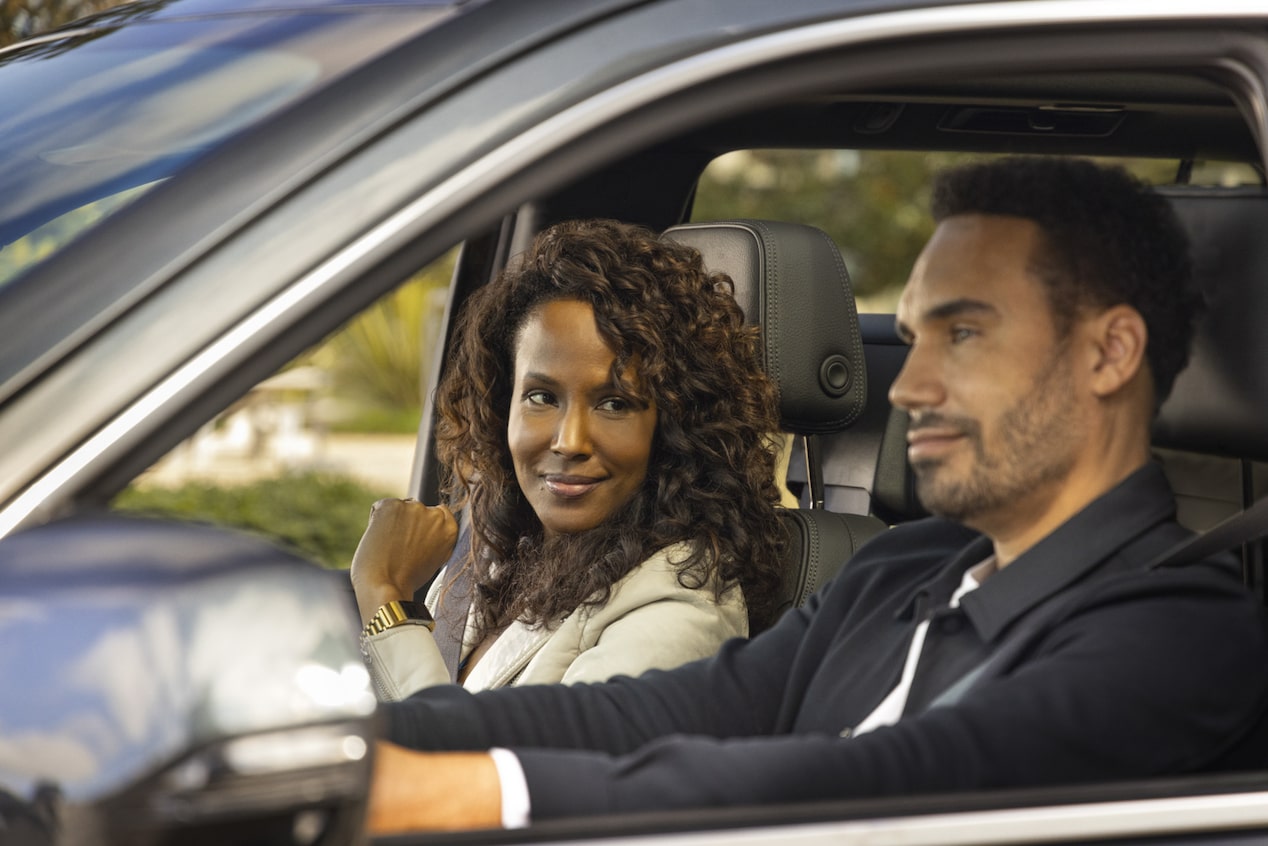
x=791 y=281
x=1220 y=401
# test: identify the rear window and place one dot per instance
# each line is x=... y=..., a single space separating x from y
x=875 y=203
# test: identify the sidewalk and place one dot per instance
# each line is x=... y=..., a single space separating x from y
x=380 y=462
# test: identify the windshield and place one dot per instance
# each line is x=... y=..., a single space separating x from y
x=91 y=121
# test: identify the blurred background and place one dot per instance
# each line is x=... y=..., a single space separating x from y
x=21 y=19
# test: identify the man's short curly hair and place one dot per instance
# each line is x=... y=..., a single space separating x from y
x=711 y=476
x=1109 y=238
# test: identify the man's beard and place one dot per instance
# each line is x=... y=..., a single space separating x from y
x=1035 y=444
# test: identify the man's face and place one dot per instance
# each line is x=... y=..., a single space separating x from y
x=988 y=385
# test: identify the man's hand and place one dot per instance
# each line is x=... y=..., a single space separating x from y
x=432 y=791
x=402 y=548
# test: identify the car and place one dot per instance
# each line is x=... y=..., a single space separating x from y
x=198 y=191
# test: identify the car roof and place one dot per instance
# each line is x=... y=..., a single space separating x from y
x=141 y=10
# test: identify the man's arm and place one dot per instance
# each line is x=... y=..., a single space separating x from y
x=749 y=688
x=1159 y=675
x=1158 y=678
x=620 y=715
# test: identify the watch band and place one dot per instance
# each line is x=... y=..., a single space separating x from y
x=399 y=612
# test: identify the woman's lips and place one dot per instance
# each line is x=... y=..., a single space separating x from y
x=570 y=487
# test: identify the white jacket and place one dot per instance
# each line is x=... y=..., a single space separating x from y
x=650 y=621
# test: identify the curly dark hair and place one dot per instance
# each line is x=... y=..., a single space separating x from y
x=711 y=477
x=1109 y=239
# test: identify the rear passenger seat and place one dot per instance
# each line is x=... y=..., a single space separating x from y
x=1212 y=433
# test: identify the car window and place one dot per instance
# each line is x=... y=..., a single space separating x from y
x=303 y=455
x=874 y=203
x=121 y=111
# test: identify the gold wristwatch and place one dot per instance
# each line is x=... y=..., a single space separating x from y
x=399 y=612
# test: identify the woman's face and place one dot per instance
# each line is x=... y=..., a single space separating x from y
x=579 y=443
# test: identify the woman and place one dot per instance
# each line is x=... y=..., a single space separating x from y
x=606 y=426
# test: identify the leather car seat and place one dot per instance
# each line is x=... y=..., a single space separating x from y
x=791 y=280
x=1210 y=433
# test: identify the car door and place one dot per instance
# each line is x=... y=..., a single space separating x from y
x=571 y=124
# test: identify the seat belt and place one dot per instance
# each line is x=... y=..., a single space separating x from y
x=454 y=602
x=1035 y=625
x=1241 y=528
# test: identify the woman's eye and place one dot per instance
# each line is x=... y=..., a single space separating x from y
x=961 y=333
x=539 y=397
x=614 y=404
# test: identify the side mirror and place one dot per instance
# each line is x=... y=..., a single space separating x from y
x=174 y=682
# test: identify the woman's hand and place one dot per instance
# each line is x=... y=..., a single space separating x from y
x=402 y=548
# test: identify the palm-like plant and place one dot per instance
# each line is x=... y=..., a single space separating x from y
x=380 y=360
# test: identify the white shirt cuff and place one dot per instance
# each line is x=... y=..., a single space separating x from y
x=515 y=805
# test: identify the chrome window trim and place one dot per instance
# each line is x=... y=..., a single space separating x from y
x=1051 y=824
x=569 y=124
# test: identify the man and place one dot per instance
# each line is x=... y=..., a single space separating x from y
x=1017 y=639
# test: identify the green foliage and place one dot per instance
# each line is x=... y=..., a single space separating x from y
x=380 y=360
x=872 y=203
x=321 y=515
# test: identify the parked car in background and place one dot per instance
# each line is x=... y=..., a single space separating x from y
x=195 y=192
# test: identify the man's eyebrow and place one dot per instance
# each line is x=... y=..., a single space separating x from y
x=946 y=311
x=957 y=308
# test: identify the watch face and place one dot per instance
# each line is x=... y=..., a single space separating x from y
x=415 y=610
